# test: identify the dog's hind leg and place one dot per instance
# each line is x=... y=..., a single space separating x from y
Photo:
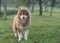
x=15 y=31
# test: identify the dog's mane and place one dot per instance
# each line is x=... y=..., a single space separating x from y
x=23 y=8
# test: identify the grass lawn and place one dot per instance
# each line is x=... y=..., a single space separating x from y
x=44 y=29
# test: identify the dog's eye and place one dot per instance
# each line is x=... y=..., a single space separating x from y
x=20 y=13
x=26 y=13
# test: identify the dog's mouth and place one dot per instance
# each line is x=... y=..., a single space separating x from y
x=23 y=19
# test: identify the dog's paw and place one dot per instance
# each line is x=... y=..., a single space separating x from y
x=26 y=38
x=15 y=35
x=19 y=39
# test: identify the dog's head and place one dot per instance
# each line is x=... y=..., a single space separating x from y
x=23 y=14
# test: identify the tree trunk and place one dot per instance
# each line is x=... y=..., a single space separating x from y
x=28 y=3
x=40 y=6
x=0 y=3
x=5 y=8
x=53 y=2
x=51 y=11
x=17 y=3
x=32 y=1
x=45 y=8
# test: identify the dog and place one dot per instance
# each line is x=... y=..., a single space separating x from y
x=22 y=23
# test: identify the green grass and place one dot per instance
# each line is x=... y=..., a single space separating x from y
x=44 y=29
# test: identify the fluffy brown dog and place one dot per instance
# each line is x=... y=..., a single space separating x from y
x=21 y=23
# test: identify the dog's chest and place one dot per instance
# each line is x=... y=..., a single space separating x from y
x=24 y=27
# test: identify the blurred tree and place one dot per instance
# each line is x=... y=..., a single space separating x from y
x=28 y=2
x=41 y=7
x=45 y=3
x=16 y=2
x=5 y=8
x=22 y=3
x=53 y=2
x=0 y=3
x=0 y=6
x=58 y=2
x=32 y=3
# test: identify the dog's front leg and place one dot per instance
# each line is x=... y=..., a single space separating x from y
x=26 y=34
x=19 y=35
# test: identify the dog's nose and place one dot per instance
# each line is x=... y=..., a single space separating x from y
x=23 y=17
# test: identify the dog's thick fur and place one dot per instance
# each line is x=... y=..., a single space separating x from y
x=20 y=26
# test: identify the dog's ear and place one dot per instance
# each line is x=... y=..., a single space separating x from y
x=21 y=8
x=18 y=12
